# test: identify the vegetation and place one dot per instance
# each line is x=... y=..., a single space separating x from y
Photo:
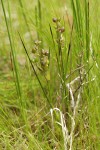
x=49 y=75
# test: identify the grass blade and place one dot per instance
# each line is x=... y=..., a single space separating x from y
x=13 y=54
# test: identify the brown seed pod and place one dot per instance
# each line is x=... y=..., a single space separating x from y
x=55 y=20
x=61 y=30
x=46 y=53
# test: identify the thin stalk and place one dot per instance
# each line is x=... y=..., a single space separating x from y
x=36 y=21
x=87 y=38
x=87 y=29
x=79 y=16
x=25 y=18
x=75 y=15
x=84 y=77
x=58 y=64
x=13 y=54
x=69 y=49
x=39 y=15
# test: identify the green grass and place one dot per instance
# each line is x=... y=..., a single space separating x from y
x=49 y=75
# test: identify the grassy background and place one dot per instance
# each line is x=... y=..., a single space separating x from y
x=52 y=100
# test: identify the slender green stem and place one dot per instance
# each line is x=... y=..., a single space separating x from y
x=13 y=54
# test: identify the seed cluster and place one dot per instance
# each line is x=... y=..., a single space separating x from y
x=59 y=30
x=40 y=56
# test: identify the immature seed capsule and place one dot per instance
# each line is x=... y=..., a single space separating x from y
x=61 y=30
x=34 y=50
x=44 y=63
x=34 y=60
x=46 y=53
x=37 y=42
x=55 y=20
